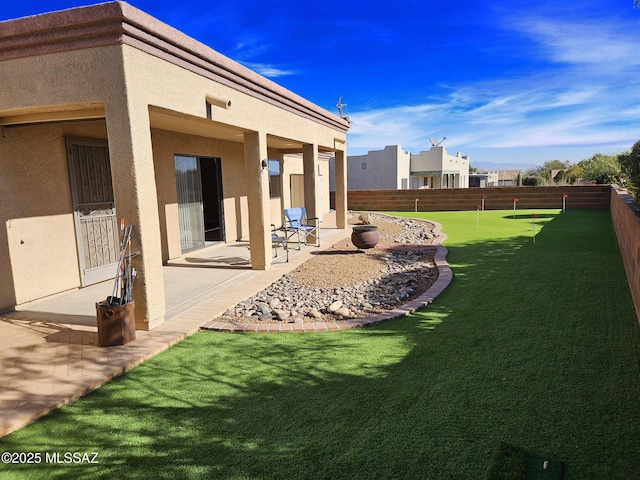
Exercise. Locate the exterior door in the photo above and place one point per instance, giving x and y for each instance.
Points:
(200, 201)
(297, 190)
(320, 208)
(96, 224)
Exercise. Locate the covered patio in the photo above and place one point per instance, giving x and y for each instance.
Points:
(189, 280)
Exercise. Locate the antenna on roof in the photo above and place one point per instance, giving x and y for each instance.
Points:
(435, 143)
(340, 105)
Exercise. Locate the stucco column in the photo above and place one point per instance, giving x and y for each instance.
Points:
(134, 188)
(310, 169)
(257, 181)
(341, 189)
(285, 193)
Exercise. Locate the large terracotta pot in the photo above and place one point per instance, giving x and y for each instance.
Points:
(364, 236)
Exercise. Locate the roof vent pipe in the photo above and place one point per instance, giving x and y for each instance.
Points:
(215, 101)
(219, 101)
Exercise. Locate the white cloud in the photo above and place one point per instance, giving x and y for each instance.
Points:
(596, 43)
(586, 93)
(268, 70)
(526, 117)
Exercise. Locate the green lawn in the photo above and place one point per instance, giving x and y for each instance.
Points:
(534, 345)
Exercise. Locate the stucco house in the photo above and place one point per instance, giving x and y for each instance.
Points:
(435, 168)
(386, 169)
(394, 169)
(105, 113)
(483, 179)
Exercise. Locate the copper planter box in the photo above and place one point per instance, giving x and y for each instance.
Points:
(116, 323)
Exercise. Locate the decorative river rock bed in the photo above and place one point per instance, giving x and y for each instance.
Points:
(344, 282)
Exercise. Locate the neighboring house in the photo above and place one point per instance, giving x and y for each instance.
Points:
(395, 169)
(497, 178)
(435, 168)
(508, 178)
(386, 169)
(106, 112)
(483, 180)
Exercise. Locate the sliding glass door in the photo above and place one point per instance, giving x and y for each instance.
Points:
(190, 209)
(200, 201)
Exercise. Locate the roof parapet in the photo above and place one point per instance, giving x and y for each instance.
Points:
(116, 23)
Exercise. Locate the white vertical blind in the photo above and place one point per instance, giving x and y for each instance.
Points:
(190, 211)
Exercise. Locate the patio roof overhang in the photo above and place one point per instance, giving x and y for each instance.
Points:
(159, 118)
(52, 113)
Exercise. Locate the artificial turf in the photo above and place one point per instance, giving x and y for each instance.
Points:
(534, 345)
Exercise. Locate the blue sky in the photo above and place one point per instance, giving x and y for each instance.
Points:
(504, 81)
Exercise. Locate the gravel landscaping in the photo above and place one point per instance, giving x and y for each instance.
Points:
(344, 282)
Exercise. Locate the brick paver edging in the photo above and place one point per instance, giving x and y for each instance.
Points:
(445, 275)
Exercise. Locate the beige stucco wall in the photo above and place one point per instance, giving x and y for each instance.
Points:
(156, 82)
(58, 80)
(37, 232)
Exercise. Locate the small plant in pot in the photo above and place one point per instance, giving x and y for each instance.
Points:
(364, 235)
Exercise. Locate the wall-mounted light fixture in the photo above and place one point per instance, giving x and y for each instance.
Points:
(265, 164)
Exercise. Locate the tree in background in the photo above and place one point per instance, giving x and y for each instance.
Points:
(630, 164)
(573, 173)
(604, 169)
(542, 175)
(531, 181)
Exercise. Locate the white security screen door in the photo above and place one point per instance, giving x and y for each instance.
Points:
(94, 209)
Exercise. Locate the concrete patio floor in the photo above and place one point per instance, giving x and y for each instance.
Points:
(49, 351)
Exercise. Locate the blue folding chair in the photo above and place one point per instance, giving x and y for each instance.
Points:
(281, 240)
(297, 223)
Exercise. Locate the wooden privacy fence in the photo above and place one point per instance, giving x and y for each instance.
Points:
(626, 222)
(497, 198)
